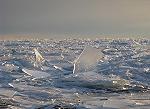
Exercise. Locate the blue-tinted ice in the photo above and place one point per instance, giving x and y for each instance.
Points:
(75, 74)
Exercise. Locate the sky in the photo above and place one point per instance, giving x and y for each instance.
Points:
(75, 16)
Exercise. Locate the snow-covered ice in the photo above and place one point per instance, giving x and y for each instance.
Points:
(75, 74)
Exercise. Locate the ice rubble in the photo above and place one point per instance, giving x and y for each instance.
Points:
(90, 81)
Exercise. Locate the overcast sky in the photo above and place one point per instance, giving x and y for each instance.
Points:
(75, 16)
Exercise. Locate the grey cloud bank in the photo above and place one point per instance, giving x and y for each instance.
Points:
(74, 16)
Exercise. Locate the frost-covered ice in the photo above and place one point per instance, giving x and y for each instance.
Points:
(75, 74)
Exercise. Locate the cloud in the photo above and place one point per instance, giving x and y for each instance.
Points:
(74, 16)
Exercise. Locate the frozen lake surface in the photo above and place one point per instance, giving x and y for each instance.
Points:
(75, 74)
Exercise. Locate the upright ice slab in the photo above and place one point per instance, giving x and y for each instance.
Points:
(87, 60)
(38, 56)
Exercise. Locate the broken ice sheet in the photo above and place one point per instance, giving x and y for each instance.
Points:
(8, 67)
(37, 87)
(35, 73)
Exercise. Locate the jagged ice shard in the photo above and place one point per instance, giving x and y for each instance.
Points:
(87, 60)
(38, 56)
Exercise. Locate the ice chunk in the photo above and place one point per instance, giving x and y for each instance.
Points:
(118, 103)
(9, 67)
(35, 73)
(57, 67)
(39, 60)
(38, 56)
(96, 81)
(87, 60)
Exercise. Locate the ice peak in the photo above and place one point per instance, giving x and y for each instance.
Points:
(88, 59)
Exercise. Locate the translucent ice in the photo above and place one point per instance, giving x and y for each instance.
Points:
(87, 60)
(35, 73)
